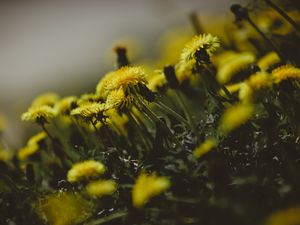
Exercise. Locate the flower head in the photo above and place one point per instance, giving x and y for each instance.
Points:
(48, 99)
(64, 208)
(285, 72)
(207, 42)
(127, 77)
(65, 105)
(234, 65)
(268, 60)
(101, 187)
(90, 110)
(117, 99)
(85, 169)
(36, 139)
(39, 114)
(146, 187)
(235, 116)
(27, 151)
(205, 147)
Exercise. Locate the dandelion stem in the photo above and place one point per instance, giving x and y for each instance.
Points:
(283, 14)
(170, 111)
(186, 110)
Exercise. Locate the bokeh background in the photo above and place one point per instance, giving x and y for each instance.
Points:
(65, 46)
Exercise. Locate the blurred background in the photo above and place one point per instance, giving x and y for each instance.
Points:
(65, 46)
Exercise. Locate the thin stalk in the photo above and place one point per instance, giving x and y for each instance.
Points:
(152, 115)
(284, 15)
(186, 110)
(170, 111)
(196, 23)
(139, 131)
(271, 44)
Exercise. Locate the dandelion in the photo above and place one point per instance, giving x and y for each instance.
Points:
(268, 60)
(157, 82)
(233, 66)
(27, 151)
(148, 186)
(36, 139)
(290, 216)
(205, 147)
(85, 169)
(127, 77)
(39, 114)
(87, 98)
(64, 208)
(5, 155)
(90, 110)
(259, 80)
(285, 72)
(207, 42)
(48, 99)
(185, 72)
(246, 92)
(117, 99)
(235, 116)
(65, 105)
(101, 187)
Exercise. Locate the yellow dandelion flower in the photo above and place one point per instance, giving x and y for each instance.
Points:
(101, 187)
(101, 89)
(205, 41)
(205, 147)
(146, 187)
(65, 105)
(118, 100)
(184, 72)
(223, 57)
(89, 110)
(27, 151)
(268, 60)
(48, 99)
(233, 66)
(36, 139)
(259, 80)
(64, 208)
(285, 72)
(127, 77)
(235, 116)
(87, 98)
(85, 169)
(246, 92)
(232, 88)
(157, 82)
(39, 114)
(5, 155)
(290, 216)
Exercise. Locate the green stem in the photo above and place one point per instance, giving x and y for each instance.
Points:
(109, 218)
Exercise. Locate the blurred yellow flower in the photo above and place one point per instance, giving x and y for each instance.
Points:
(285, 72)
(205, 147)
(235, 116)
(39, 114)
(101, 187)
(64, 208)
(36, 139)
(146, 187)
(268, 60)
(246, 92)
(236, 63)
(85, 169)
(290, 216)
(5, 155)
(65, 105)
(27, 151)
(48, 99)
